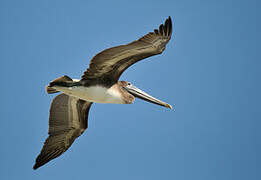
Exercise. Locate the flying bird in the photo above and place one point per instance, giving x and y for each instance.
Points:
(100, 83)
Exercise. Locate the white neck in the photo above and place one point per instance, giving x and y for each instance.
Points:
(96, 94)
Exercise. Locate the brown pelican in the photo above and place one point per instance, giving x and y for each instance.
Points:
(100, 83)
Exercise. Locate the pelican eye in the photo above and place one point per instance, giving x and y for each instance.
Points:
(129, 84)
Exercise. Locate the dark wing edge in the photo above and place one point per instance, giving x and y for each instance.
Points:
(108, 65)
(68, 120)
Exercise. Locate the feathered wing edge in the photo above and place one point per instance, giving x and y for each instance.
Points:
(107, 66)
(68, 120)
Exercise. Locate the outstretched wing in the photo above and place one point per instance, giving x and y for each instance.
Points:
(68, 120)
(107, 66)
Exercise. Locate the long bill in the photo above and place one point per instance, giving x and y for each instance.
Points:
(136, 92)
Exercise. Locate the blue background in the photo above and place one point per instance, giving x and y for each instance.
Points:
(210, 70)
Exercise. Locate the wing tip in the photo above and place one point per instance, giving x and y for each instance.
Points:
(43, 159)
(168, 26)
(36, 166)
(165, 29)
(39, 162)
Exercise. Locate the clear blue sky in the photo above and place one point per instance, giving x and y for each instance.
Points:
(210, 70)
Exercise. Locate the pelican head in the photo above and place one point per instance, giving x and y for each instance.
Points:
(129, 92)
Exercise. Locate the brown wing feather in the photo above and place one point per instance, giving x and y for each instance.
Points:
(107, 66)
(68, 120)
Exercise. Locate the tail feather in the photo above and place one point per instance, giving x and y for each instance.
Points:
(50, 90)
(61, 81)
